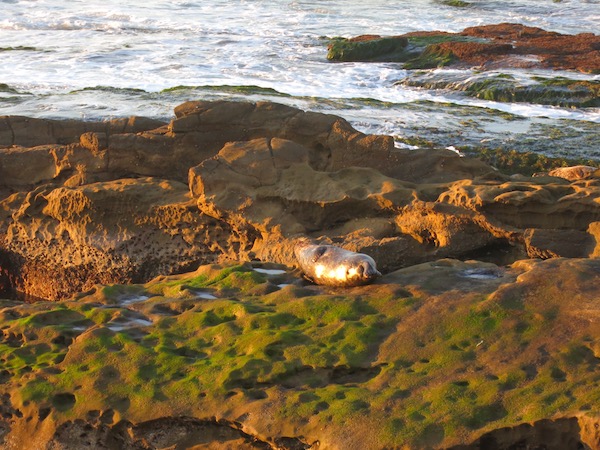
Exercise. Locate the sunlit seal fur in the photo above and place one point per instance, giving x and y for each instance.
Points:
(333, 266)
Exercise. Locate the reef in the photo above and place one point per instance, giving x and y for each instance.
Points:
(178, 318)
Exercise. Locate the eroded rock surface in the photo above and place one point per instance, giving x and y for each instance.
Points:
(240, 181)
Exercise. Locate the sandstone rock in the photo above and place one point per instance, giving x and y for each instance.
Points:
(443, 227)
(266, 186)
(333, 142)
(65, 240)
(31, 132)
(259, 175)
(520, 205)
(26, 166)
(594, 231)
(541, 243)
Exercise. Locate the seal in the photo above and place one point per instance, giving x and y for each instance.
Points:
(334, 266)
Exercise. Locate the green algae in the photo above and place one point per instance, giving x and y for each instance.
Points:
(456, 3)
(433, 56)
(238, 277)
(556, 92)
(378, 49)
(341, 359)
(502, 87)
(416, 52)
(6, 88)
(241, 89)
(110, 89)
(21, 48)
(525, 163)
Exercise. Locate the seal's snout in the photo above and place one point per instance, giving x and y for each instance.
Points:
(368, 270)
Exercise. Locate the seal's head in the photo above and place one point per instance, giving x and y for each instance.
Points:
(334, 266)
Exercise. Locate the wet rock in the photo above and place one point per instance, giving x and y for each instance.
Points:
(367, 48)
(554, 50)
(501, 87)
(497, 46)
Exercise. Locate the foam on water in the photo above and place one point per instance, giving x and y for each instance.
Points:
(57, 53)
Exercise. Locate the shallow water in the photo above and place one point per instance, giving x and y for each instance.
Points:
(110, 59)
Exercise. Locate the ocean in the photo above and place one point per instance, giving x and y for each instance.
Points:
(96, 60)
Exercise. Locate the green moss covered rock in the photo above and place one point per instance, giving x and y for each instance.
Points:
(558, 91)
(418, 51)
(367, 48)
(430, 356)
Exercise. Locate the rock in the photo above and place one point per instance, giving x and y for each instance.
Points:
(504, 87)
(25, 166)
(446, 354)
(114, 206)
(276, 187)
(492, 47)
(440, 227)
(555, 50)
(544, 244)
(517, 205)
(367, 48)
(31, 132)
(64, 240)
(594, 231)
(557, 434)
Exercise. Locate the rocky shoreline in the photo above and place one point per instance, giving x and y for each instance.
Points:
(482, 329)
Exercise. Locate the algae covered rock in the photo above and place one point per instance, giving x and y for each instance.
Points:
(558, 91)
(489, 47)
(415, 50)
(367, 48)
(442, 354)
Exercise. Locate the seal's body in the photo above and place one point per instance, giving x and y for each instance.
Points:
(333, 266)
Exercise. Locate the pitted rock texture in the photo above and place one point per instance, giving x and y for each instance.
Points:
(240, 181)
(446, 354)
